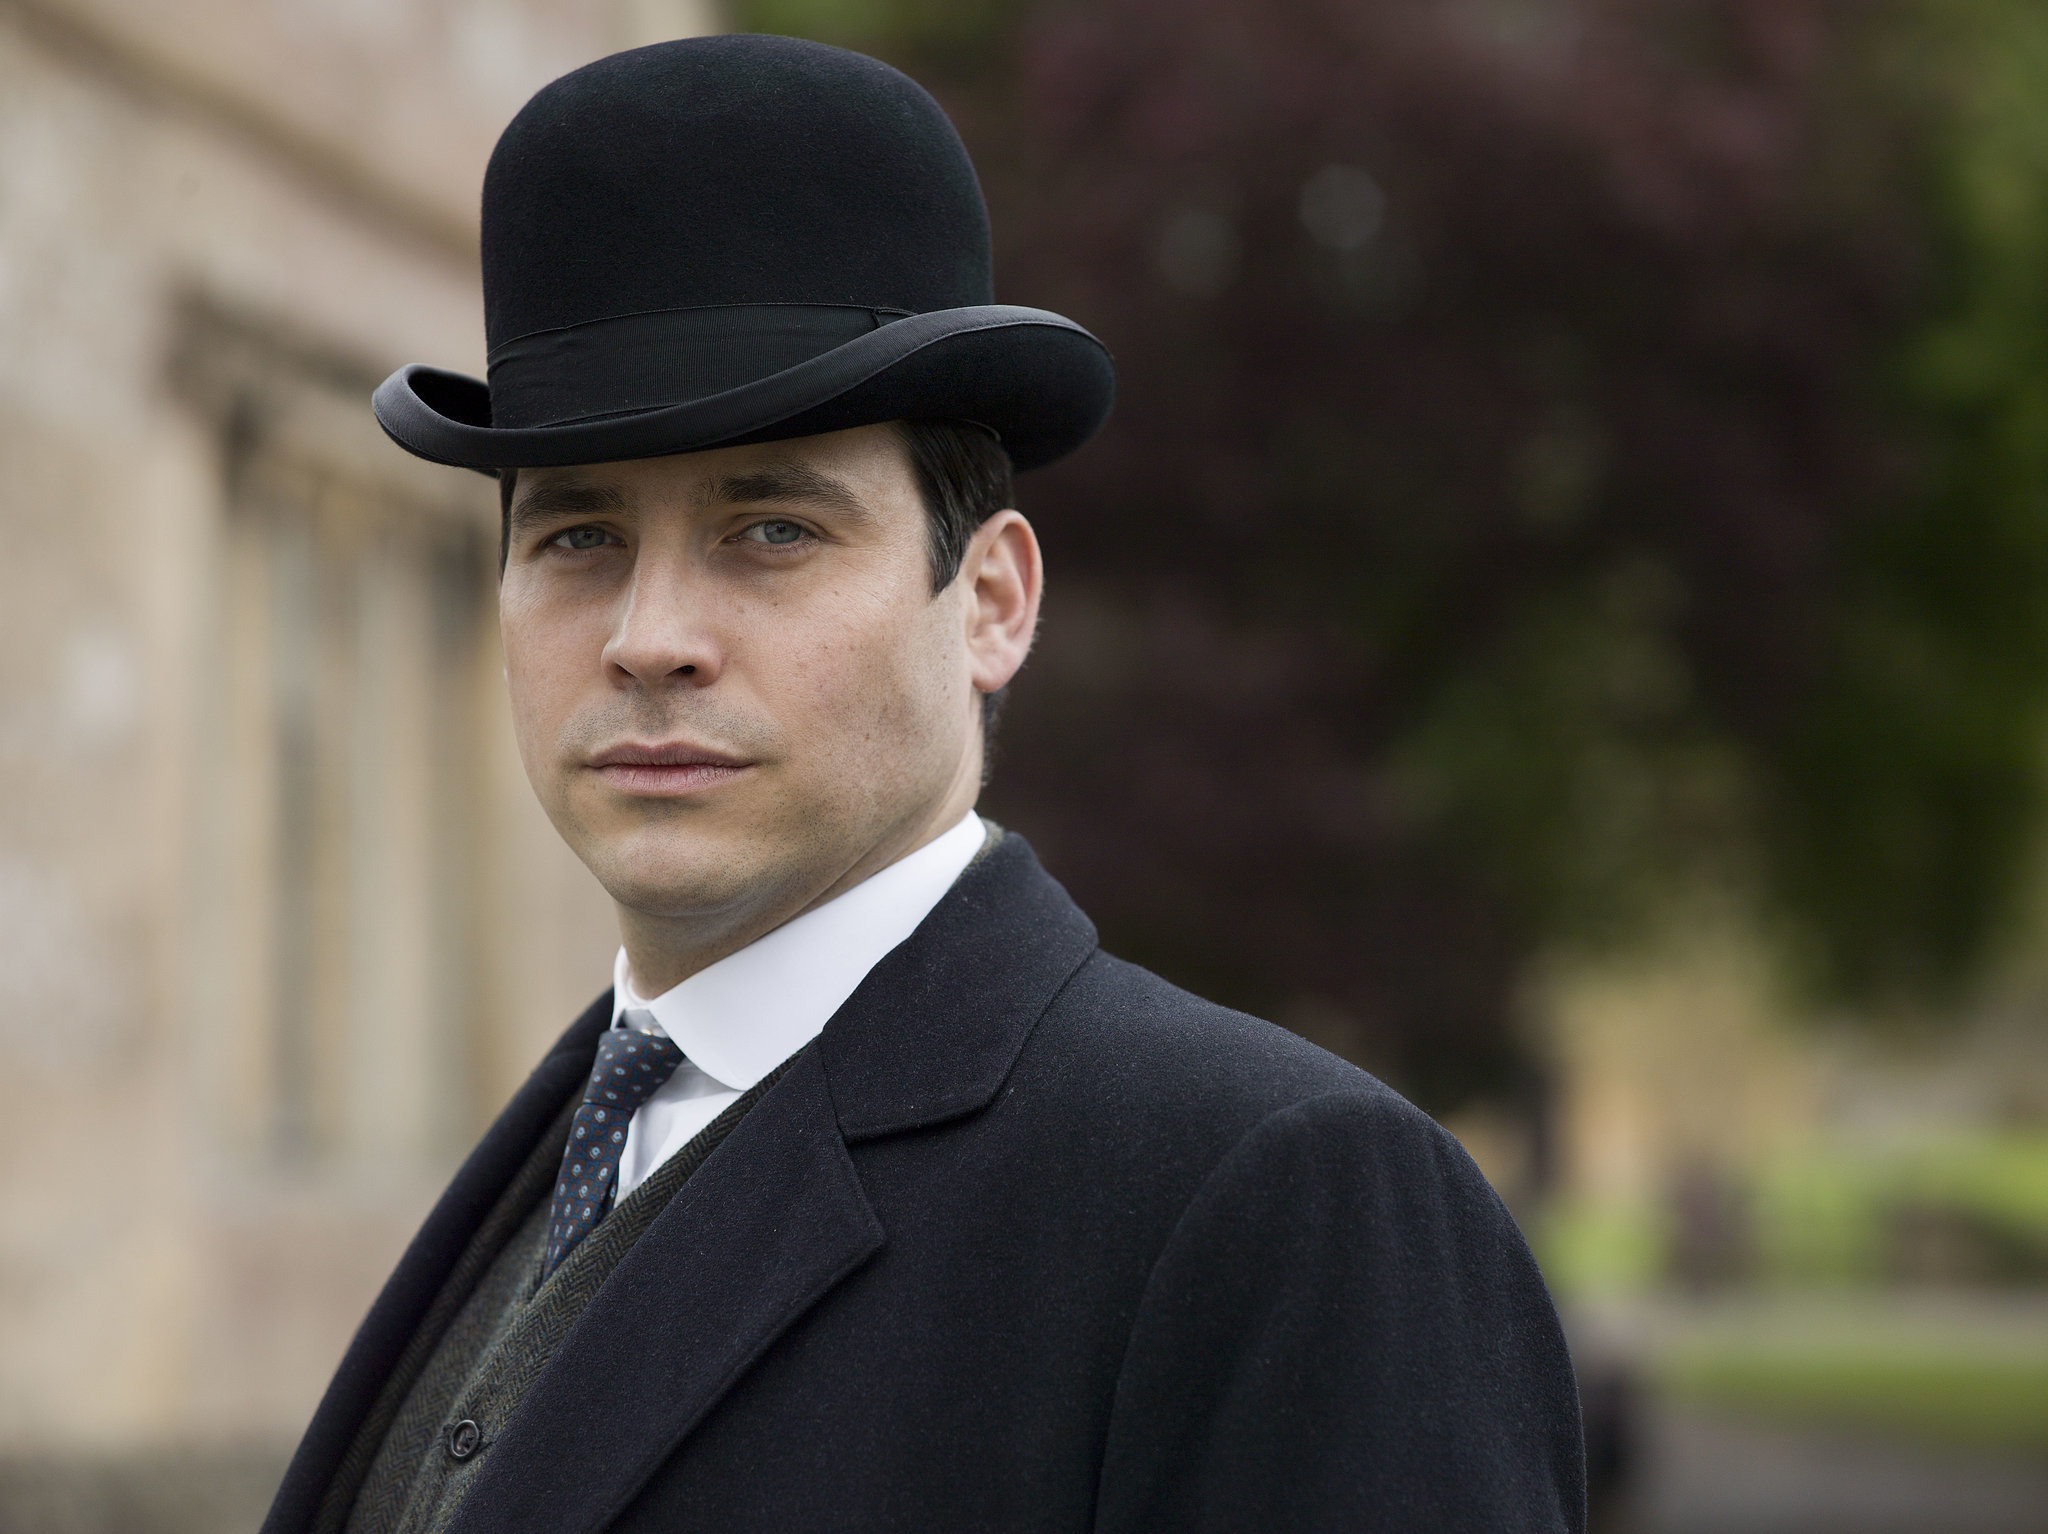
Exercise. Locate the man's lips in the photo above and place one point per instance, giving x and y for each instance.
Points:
(672, 768)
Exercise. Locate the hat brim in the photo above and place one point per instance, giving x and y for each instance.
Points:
(1038, 380)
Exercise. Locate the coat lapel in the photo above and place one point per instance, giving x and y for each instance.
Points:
(759, 1234)
(777, 1216)
(934, 1029)
(423, 1269)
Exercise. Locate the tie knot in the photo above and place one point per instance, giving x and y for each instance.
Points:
(630, 1068)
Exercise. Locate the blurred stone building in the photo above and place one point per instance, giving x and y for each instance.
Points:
(279, 923)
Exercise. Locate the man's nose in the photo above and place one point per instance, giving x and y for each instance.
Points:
(663, 637)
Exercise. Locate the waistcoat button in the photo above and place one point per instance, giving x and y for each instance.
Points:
(464, 1439)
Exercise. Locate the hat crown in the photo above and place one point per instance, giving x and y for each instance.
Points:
(729, 170)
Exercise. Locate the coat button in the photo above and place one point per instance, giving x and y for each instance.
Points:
(464, 1439)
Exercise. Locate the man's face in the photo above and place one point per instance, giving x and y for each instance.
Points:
(733, 687)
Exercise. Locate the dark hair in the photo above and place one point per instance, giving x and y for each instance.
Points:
(964, 478)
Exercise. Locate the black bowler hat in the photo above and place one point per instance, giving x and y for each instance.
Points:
(736, 239)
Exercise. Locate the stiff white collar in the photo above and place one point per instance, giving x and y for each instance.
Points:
(740, 1018)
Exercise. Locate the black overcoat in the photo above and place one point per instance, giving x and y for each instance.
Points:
(1027, 1239)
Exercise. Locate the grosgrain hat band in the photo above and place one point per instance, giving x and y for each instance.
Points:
(1038, 380)
(646, 361)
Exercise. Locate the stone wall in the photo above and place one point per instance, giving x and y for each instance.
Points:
(279, 923)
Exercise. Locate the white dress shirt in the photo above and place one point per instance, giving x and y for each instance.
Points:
(738, 1019)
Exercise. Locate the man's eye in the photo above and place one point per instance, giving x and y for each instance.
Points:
(581, 538)
(774, 532)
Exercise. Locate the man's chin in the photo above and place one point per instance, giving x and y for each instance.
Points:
(655, 834)
(698, 877)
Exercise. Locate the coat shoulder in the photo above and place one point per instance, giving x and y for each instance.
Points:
(1180, 1042)
(1312, 1237)
(1176, 1068)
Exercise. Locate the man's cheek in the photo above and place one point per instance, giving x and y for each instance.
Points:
(829, 689)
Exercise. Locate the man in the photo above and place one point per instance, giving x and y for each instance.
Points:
(873, 1195)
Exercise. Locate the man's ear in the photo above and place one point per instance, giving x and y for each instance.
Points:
(1001, 578)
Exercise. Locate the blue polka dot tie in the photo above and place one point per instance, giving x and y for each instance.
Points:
(630, 1068)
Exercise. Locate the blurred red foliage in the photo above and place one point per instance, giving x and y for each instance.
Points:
(1516, 514)
(1494, 403)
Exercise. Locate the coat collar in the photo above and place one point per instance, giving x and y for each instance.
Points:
(777, 1216)
(741, 1017)
(934, 1029)
(760, 1234)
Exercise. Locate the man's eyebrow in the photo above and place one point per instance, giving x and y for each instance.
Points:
(550, 499)
(786, 482)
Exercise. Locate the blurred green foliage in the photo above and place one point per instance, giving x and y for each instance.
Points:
(1942, 1395)
(1595, 1248)
(1913, 785)
(1961, 1210)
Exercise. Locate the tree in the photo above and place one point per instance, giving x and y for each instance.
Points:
(1567, 456)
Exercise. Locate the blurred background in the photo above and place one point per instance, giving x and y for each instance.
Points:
(1560, 617)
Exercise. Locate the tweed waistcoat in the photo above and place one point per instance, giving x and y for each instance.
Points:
(489, 1334)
